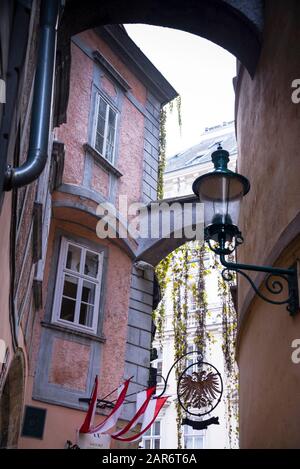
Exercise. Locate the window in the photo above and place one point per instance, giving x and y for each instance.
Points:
(158, 364)
(105, 129)
(191, 358)
(77, 292)
(159, 379)
(192, 439)
(151, 439)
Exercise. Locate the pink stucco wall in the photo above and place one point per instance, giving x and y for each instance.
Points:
(100, 180)
(67, 356)
(131, 152)
(92, 40)
(74, 132)
(70, 361)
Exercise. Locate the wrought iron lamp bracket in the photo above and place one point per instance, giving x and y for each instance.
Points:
(274, 281)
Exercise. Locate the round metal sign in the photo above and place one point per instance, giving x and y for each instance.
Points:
(199, 388)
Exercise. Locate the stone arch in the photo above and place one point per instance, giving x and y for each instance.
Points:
(185, 222)
(234, 25)
(11, 402)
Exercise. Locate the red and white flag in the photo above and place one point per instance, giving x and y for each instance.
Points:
(142, 401)
(89, 419)
(146, 408)
(112, 418)
(151, 412)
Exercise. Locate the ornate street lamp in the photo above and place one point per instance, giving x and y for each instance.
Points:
(221, 191)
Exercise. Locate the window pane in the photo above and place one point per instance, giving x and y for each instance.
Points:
(157, 428)
(159, 378)
(112, 118)
(147, 444)
(109, 152)
(188, 442)
(73, 258)
(110, 135)
(148, 432)
(102, 107)
(100, 125)
(67, 311)
(88, 292)
(70, 286)
(91, 264)
(157, 443)
(86, 315)
(99, 143)
(198, 442)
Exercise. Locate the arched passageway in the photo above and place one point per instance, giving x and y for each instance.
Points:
(234, 25)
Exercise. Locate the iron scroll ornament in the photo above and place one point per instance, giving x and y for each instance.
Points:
(274, 287)
(274, 282)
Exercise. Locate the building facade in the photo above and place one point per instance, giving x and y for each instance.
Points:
(81, 308)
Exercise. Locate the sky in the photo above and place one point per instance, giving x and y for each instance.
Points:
(199, 70)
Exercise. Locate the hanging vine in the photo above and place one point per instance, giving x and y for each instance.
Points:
(162, 153)
(199, 293)
(229, 330)
(185, 269)
(163, 141)
(159, 314)
(180, 273)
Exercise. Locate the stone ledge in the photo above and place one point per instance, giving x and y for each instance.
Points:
(101, 160)
(66, 330)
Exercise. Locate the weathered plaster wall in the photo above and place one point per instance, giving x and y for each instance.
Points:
(115, 310)
(75, 132)
(100, 180)
(268, 138)
(267, 129)
(269, 380)
(80, 168)
(130, 160)
(92, 40)
(62, 418)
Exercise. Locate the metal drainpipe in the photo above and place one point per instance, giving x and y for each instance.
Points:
(42, 99)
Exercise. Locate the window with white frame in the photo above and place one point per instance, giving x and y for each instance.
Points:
(192, 439)
(78, 285)
(151, 439)
(104, 135)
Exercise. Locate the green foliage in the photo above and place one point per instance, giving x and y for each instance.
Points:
(162, 153)
(163, 277)
(186, 269)
(163, 141)
(181, 268)
(229, 330)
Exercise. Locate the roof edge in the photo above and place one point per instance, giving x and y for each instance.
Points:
(124, 46)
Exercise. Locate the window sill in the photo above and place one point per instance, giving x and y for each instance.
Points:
(101, 160)
(71, 331)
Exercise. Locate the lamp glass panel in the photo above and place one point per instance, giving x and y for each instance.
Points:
(221, 196)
